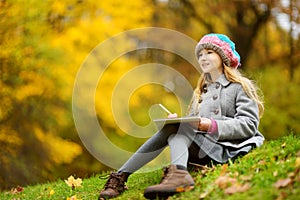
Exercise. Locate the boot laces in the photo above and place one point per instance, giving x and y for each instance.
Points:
(115, 181)
(166, 174)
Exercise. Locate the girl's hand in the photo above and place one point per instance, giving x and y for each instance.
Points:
(172, 115)
(204, 124)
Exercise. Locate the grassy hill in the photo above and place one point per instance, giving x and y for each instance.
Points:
(269, 172)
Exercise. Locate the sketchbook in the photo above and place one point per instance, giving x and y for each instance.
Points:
(177, 120)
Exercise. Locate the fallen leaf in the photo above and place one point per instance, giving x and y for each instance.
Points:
(297, 171)
(282, 196)
(262, 162)
(236, 174)
(246, 178)
(72, 182)
(225, 181)
(204, 195)
(297, 162)
(297, 178)
(51, 192)
(16, 190)
(281, 183)
(283, 145)
(237, 188)
(180, 189)
(224, 169)
(291, 175)
(73, 198)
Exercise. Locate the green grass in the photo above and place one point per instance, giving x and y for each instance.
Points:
(260, 170)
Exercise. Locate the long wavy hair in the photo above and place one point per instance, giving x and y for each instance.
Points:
(233, 75)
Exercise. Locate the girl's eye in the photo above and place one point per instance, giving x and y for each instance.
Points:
(200, 54)
(209, 52)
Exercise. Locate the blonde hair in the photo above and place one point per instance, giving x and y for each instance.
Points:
(233, 75)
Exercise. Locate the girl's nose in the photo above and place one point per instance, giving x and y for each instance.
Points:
(202, 58)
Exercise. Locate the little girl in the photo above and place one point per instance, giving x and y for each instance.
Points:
(228, 108)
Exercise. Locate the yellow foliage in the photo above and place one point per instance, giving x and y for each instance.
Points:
(6, 101)
(127, 14)
(277, 47)
(59, 6)
(35, 85)
(61, 151)
(104, 94)
(10, 143)
(9, 136)
(101, 20)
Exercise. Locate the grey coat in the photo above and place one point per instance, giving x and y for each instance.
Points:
(236, 115)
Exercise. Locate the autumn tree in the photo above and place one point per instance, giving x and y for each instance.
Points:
(32, 109)
(43, 45)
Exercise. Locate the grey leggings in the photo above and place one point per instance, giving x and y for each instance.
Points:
(178, 137)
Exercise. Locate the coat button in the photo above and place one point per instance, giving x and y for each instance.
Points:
(217, 85)
(204, 88)
(216, 111)
(215, 97)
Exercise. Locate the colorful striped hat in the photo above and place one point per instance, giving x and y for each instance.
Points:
(222, 45)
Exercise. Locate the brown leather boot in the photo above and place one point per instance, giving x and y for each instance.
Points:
(174, 181)
(114, 186)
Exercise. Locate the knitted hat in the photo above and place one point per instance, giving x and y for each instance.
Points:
(222, 45)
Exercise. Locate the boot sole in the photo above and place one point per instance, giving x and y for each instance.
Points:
(154, 194)
(104, 197)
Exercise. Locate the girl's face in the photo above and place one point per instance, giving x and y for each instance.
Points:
(209, 61)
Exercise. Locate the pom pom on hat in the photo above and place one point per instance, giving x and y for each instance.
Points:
(222, 45)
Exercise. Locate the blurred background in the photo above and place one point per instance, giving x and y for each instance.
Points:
(43, 44)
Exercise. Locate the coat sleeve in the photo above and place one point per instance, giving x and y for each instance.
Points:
(245, 122)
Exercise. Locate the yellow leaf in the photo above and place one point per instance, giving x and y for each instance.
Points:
(73, 198)
(224, 169)
(204, 195)
(72, 182)
(297, 163)
(51, 192)
(247, 178)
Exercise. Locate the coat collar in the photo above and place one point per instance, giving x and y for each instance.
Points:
(223, 80)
